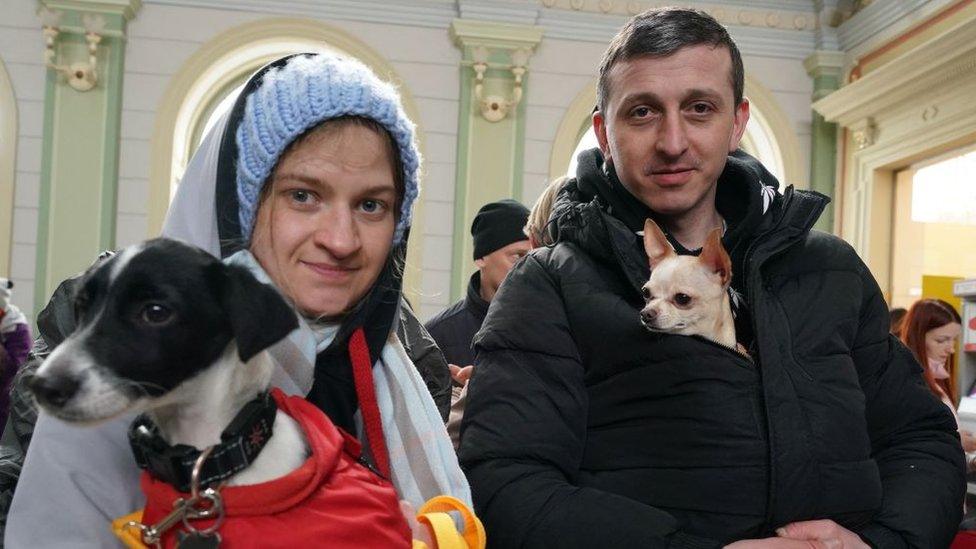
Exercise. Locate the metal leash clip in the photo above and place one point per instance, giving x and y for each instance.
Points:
(206, 537)
(186, 509)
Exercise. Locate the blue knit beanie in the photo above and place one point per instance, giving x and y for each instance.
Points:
(308, 90)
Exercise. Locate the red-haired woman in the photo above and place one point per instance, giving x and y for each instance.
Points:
(930, 330)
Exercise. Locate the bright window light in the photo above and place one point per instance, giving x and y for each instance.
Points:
(588, 141)
(226, 103)
(945, 192)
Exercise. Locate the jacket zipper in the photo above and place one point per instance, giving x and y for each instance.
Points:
(745, 361)
(753, 281)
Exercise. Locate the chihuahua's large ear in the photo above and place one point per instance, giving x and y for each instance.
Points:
(715, 258)
(259, 316)
(656, 244)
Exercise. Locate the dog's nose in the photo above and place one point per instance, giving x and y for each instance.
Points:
(53, 390)
(648, 316)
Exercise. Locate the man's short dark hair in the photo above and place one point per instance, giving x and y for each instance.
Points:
(662, 32)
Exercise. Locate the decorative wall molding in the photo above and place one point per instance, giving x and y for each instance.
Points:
(912, 75)
(126, 8)
(883, 20)
(416, 13)
(863, 133)
(490, 151)
(8, 166)
(794, 16)
(765, 28)
(891, 126)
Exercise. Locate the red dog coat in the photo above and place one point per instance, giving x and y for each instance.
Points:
(331, 500)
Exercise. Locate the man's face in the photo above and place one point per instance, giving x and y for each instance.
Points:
(669, 124)
(496, 265)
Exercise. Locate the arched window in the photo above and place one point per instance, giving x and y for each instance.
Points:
(217, 89)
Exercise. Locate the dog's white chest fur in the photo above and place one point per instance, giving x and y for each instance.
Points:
(197, 412)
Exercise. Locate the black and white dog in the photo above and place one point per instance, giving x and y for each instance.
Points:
(167, 329)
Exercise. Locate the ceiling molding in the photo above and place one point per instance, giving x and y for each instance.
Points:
(913, 74)
(418, 13)
(881, 21)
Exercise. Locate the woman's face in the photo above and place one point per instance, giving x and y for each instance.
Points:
(941, 342)
(324, 230)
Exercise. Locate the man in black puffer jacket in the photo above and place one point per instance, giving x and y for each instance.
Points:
(585, 430)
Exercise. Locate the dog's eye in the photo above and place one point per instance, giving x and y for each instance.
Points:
(682, 299)
(646, 292)
(156, 314)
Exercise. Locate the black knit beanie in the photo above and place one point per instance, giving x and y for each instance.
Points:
(497, 225)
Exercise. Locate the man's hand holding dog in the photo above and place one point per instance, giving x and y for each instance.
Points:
(811, 534)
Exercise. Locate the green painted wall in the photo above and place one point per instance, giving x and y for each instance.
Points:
(80, 150)
(490, 154)
(825, 69)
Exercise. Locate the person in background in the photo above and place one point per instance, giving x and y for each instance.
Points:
(499, 241)
(931, 329)
(537, 227)
(15, 344)
(897, 315)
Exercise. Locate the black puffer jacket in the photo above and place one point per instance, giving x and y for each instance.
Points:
(454, 328)
(588, 431)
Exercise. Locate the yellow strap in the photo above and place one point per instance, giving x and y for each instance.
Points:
(130, 535)
(434, 513)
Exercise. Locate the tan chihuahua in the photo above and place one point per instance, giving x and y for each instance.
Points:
(688, 295)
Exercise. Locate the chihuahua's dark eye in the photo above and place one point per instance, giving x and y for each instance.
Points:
(682, 299)
(646, 292)
(156, 314)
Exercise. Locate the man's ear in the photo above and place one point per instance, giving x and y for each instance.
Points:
(715, 258)
(656, 244)
(258, 315)
(479, 263)
(600, 129)
(739, 121)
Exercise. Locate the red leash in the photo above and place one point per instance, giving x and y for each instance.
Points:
(362, 373)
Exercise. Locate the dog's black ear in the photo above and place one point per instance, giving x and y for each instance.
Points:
(258, 314)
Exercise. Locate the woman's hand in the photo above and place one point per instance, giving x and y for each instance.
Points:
(420, 532)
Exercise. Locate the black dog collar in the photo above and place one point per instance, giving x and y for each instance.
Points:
(240, 444)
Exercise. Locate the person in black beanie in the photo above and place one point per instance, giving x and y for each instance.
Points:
(498, 243)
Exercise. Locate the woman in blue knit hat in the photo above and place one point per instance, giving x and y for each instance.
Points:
(309, 182)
